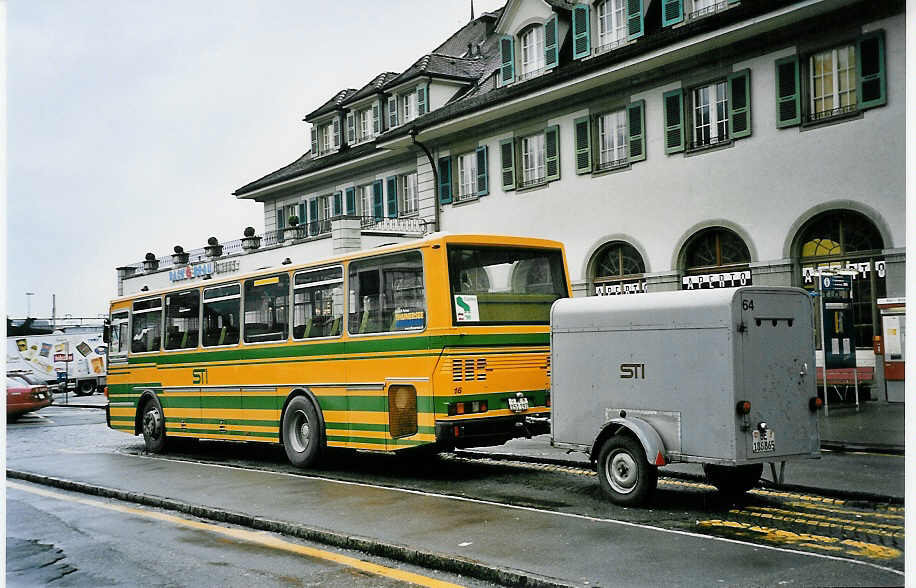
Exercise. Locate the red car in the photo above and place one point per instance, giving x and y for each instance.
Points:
(22, 397)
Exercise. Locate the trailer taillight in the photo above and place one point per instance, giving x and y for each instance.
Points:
(815, 403)
(743, 407)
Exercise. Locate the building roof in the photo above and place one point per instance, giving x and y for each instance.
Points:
(441, 66)
(373, 87)
(331, 105)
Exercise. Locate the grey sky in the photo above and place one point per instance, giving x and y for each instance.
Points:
(130, 123)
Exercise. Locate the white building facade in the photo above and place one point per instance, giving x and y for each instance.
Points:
(669, 144)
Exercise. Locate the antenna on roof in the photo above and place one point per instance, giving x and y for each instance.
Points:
(472, 10)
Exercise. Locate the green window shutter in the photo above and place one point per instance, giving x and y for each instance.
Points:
(672, 12)
(507, 163)
(351, 129)
(314, 141)
(635, 23)
(636, 131)
(582, 127)
(552, 152)
(483, 183)
(582, 46)
(507, 60)
(336, 132)
(788, 98)
(674, 120)
(392, 112)
(351, 201)
(338, 203)
(870, 72)
(378, 206)
(445, 180)
(551, 55)
(313, 227)
(421, 100)
(392, 196)
(303, 219)
(281, 222)
(739, 104)
(376, 119)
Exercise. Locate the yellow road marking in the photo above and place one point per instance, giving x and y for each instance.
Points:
(842, 511)
(258, 537)
(793, 517)
(826, 518)
(850, 546)
(807, 497)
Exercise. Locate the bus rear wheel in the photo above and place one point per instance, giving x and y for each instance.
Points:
(85, 388)
(301, 432)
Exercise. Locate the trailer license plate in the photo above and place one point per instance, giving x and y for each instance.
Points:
(764, 442)
(518, 404)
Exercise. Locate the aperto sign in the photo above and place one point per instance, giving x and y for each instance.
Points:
(203, 269)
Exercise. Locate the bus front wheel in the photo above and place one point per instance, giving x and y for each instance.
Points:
(301, 432)
(153, 426)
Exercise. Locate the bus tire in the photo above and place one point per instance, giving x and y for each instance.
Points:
(624, 473)
(733, 481)
(85, 388)
(153, 425)
(301, 432)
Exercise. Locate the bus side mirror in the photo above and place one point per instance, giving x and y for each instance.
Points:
(106, 333)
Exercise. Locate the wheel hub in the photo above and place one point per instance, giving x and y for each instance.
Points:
(152, 424)
(302, 432)
(622, 473)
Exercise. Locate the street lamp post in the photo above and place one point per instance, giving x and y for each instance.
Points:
(28, 303)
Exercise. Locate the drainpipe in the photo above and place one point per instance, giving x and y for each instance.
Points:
(413, 137)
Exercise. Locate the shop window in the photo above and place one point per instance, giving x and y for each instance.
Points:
(716, 258)
(618, 269)
(846, 240)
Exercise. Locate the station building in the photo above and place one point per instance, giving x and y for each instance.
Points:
(669, 144)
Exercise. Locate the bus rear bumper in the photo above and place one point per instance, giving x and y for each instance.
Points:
(489, 431)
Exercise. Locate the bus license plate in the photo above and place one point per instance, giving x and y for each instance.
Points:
(518, 404)
(764, 442)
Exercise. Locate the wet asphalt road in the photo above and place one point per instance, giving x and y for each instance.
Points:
(678, 505)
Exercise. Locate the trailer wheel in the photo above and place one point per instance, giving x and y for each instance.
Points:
(301, 432)
(733, 480)
(624, 472)
(85, 388)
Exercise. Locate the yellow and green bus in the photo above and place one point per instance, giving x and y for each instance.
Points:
(437, 343)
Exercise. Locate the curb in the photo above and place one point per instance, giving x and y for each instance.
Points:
(426, 559)
(72, 405)
(828, 492)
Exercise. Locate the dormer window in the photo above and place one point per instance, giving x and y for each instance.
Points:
(408, 104)
(325, 137)
(532, 51)
(612, 24)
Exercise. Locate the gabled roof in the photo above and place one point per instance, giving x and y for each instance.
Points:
(331, 105)
(373, 87)
(472, 33)
(441, 66)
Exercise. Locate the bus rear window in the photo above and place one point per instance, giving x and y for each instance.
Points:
(504, 285)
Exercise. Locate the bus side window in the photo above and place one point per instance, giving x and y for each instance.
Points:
(221, 315)
(387, 294)
(266, 304)
(146, 332)
(182, 319)
(317, 303)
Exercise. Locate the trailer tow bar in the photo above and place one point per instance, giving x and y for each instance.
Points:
(779, 477)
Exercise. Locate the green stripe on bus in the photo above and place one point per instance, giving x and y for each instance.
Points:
(241, 434)
(349, 347)
(250, 423)
(372, 427)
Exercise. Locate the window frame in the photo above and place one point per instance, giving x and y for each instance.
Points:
(600, 131)
(244, 324)
(537, 63)
(343, 288)
(116, 319)
(404, 187)
(619, 31)
(349, 285)
(165, 319)
(715, 100)
(811, 115)
(463, 170)
(241, 307)
(541, 153)
(363, 196)
(133, 312)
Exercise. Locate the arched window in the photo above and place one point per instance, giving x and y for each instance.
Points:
(618, 268)
(843, 239)
(716, 258)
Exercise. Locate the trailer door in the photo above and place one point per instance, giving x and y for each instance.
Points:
(777, 355)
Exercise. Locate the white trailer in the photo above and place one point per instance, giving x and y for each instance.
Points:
(724, 378)
(82, 356)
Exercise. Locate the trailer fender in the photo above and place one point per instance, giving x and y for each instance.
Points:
(644, 432)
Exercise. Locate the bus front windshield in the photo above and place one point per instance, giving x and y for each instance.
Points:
(504, 285)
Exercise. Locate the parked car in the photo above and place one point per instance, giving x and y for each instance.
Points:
(23, 397)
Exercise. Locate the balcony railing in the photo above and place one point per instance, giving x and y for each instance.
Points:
(610, 46)
(708, 142)
(404, 224)
(532, 74)
(828, 114)
(707, 11)
(613, 164)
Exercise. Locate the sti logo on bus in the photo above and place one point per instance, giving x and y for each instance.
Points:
(632, 370)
